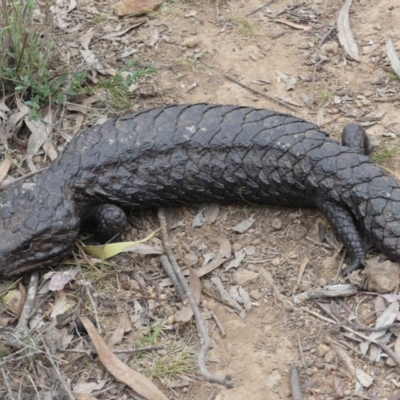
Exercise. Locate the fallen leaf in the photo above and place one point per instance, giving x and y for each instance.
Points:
(41, 131)
(88, 387)
(224, 253)
(137, 382)
(239, 257)
(4, 168)
(14, 300)
(225, 296)
(365, 379)
(393, 57)
(208, 213)
(61, 305)
(244, 225)
(345, 34)
(288, 79)
(123, 327)
(109, 250)
(58, 280)
(86, 38)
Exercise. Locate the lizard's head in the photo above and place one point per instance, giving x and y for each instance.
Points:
(38, 227)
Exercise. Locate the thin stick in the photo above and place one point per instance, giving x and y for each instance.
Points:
(216, 11)
(171, 274)
(218, 323)
(208, 376)
(295, 383)
(7, 384)
(303, 361)
(318, 62)
(276, 100)
(30, 298)
(384, 347)
(93, 351)
(259, 8)
(57, 370)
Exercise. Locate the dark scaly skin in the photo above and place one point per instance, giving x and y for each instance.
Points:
(190, 154)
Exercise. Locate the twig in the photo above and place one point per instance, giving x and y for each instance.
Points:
(218, 323)
(217, 11)
(295, 383)
(259, 8)
(384, 347)
(208, 376)
(318, 243)
(30, 298)
(276, 100)
(57, 370)
(303, 361)
(93, 351)
(318, 62)
(6, 383)
(87, 285)
(171, 274)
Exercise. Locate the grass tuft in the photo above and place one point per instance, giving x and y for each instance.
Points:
(120, 88)
(384, 154)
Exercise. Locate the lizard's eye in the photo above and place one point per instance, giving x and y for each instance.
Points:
(26, 246)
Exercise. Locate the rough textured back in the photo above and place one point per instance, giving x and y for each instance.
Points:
(194, 153)
(188, 154)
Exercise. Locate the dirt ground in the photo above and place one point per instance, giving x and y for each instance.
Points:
(193, 45)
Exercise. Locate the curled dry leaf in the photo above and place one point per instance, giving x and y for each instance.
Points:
(345, 34)
(14, 300)
(61, 304)
(208, 213)
(244, 225)
(225, 296)
(224, 253)
(137, 382)
(123, 327)
(41, 131)
(239, 257)
(58, 280)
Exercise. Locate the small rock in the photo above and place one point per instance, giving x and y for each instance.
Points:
(273, 379)
(330, 48)
(191, 42)
(243, 276)
(135, 7)
(322, 349)
(365, 379)
(382, 277)
(255, 294)
(276, 262)
(236, 246)
(277, 223)
(329, 356)
(309, 372)
(134, 285)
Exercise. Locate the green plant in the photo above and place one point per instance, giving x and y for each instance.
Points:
(27, 51)
(120, 87)
(174, 360)
(384, 153)
(244, 25)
